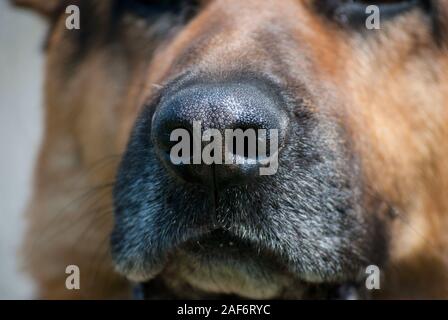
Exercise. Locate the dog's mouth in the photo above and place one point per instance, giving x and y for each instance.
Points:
(297, 233)
(220, 265)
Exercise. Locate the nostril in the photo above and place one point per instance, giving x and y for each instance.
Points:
(165, 129)
(245, 147)
(251, 145)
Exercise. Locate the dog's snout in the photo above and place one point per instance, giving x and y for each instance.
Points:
(230, 130)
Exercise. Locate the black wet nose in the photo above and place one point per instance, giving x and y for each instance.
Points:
(216, 112)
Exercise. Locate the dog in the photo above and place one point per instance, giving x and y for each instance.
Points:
(362, 122)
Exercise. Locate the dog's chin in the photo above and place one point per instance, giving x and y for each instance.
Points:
(220, 265)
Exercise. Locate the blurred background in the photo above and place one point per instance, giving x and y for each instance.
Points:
(21, 72)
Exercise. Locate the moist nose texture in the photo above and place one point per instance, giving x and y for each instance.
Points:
(224, 108)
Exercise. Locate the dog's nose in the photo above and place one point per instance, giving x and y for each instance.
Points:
(219, 134)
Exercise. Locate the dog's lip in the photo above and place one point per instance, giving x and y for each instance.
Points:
(205, 241)
(221, 244)
(226, 242)
(216, 239)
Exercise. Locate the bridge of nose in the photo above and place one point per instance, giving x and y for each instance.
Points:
(228, 106)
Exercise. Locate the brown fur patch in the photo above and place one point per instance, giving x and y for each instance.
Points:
(389, 88)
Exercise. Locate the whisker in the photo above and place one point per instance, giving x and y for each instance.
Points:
(57, 226)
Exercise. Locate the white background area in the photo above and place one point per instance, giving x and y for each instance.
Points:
(21, 68)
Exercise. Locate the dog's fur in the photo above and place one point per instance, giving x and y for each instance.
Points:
(387, 89)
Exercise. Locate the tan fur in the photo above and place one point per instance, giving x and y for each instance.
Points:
(390, 90)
